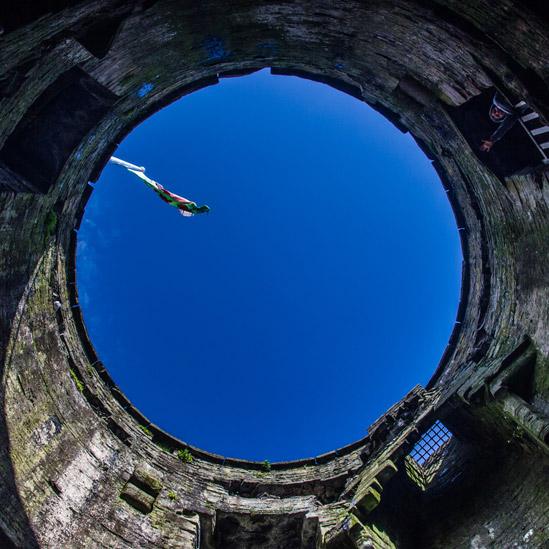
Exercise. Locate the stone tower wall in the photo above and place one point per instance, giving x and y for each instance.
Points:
(77, 469)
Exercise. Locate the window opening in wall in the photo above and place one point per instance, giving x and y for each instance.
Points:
(425, 459)
(61, 116)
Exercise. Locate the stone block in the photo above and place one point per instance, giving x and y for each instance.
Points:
(145, 480)
(369, 499)
(137, 498)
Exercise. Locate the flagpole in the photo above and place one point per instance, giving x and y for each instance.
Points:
(127, 165)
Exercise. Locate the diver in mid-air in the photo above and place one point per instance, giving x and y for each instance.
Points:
(186, 207)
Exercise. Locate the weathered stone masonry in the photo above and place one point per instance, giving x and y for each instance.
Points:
(81, 467)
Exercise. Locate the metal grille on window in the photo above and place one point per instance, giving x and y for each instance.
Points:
(425, 459)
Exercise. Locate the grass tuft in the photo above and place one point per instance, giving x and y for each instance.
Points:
(185, 456)
(146, 430)
(77, 382)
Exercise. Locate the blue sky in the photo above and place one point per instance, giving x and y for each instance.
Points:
(322, 286)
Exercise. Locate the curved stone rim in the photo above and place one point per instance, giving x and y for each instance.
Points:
(501, 227)
(338, 85)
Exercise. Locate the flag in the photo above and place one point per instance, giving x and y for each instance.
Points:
(186, 207)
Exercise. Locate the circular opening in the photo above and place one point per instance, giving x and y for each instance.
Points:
(321, 287)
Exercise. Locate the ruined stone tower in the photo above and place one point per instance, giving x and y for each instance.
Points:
(460, 463)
